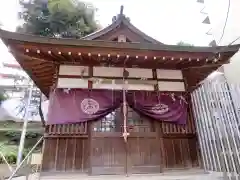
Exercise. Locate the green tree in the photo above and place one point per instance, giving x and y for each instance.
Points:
(181, 43)
(57, 18)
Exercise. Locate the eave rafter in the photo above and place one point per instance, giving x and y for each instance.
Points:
(40, 57)
(42, 72)
(113, 57)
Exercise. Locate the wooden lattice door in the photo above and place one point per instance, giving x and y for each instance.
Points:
(111, 155)
(143, 147)
(108, 154)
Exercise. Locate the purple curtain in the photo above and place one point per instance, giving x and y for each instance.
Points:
(84, 105)
(162, 107)
(81, 105)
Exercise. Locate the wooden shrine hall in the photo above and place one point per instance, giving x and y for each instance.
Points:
(119, 99)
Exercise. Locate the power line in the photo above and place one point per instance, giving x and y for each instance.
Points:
(225, 24)
(234, 41)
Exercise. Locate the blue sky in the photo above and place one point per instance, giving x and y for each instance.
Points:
(169, 21)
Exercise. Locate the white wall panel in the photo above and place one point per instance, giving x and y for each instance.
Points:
(169, 74)
(72, 83)
(118, 72)
(120, 86)
(146, 87)
(107, 86)
(140, 73)
(171, 86)
(130, 84)
(107, 71)
(73, 70)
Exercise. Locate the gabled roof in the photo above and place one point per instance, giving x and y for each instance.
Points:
(120, 20)
(40, 57)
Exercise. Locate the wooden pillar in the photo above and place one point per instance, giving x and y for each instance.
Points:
(74, 154)
(158, 128)
(89, 128)
(90, 148)
(186, 77)
(43, 153)
(56, 154)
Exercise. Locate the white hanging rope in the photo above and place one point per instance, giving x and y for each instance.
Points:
(125, 132)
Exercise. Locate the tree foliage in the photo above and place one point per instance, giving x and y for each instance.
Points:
(57, 18)
(181, 43)
(3, 97)
(15, 136)
(10, 141)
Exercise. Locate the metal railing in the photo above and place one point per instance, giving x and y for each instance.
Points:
(216, 106)
(6, 162)
(24, 168)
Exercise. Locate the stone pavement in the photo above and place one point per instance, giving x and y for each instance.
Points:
(176, 175)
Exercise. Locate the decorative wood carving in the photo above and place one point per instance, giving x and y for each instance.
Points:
(122, 38)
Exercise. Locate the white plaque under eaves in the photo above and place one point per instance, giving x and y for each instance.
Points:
(72, 83)
(169, 74)
(107, 72)
(140, 73)
(73, 70)
(118, 72)
(171, 86)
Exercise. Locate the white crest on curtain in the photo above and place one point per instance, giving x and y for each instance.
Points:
(160, 108)
(89, 106)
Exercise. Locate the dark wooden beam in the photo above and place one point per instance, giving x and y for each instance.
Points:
(119, 78)
(205, 66)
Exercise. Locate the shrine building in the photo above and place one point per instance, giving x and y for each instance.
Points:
(119, 100)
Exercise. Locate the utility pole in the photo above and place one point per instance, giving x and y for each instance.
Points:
(24, 129)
